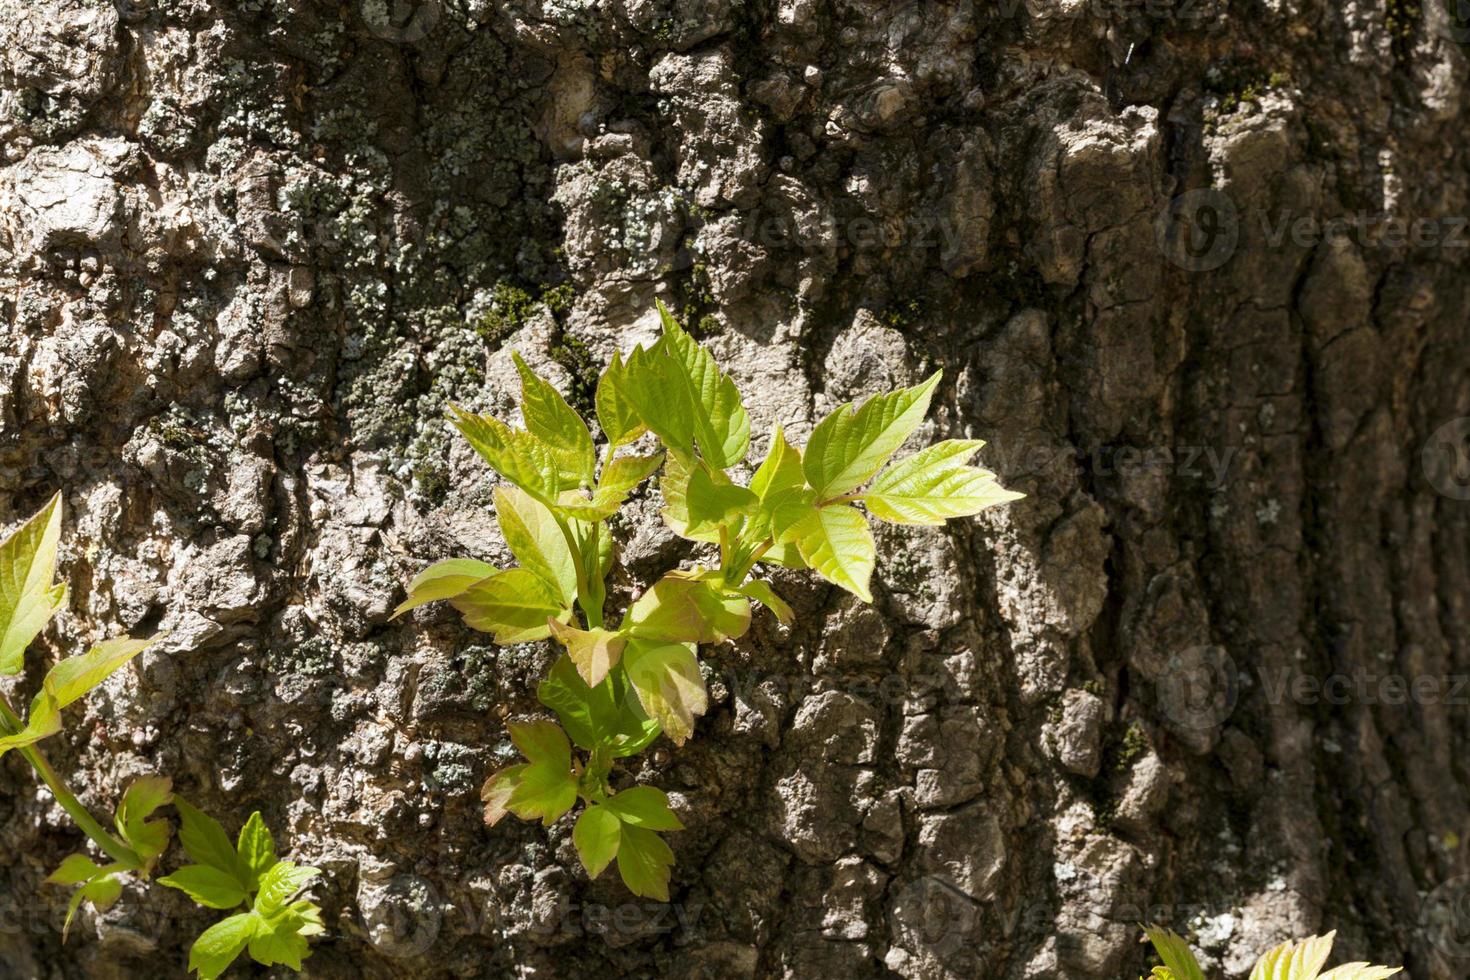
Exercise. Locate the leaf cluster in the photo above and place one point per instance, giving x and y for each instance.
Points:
(616, 688)
(1302, 960)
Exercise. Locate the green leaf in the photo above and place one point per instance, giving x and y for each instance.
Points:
(763, 593)
(547, 787)
(644, 806)
(537, 541)
(206, 842)
(934, 485)
(74, 677)
(207, 886)
(680, 609)
(659, 393)
(1360, 971)
(148, 838)
(607, 716)
(596, 836)
(217, 947)
(497, 791)
(848, 446)
(1175, 953)
(68, 681)
(74, 869)
(615, 412)
(716, 502)
(594, 651)
(550, 419)
(674, 485)
(518, 456)
(256, 850)
(721, 426)
(644, 862)
(619, 478)
(1293, 961)
(100, 886)
(666, 678)
(443, 580)
(513, 605)
(281, 937)
(836, 542)
(280, 884)
(28, 597)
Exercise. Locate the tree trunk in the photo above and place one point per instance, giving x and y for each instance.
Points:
(1196, 270)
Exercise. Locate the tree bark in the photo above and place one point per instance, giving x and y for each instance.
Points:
(1196, 270)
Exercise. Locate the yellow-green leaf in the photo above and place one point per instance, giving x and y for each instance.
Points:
(596, 835)
(550, 419)
(851, 444)
(513, 605)
(644, 806)
(713, 501)
(836, 542)
(1360, 971)
(255, 850)
(28, 597)
(69, 680)
(763, 593)
(207, 886)
(1295, 961)
(147, 838)
(668, 683)
(618, 480)
(498, 790)
(681, 609)
(518, 456)
(675, 488)
(594, 651)
(934, 485)
(537, 540)
(217, 947)
(1175, 953)
(721, 425)
(615, 412)
(644, 862)
(547, 787)
(659, 393)
(444, 580)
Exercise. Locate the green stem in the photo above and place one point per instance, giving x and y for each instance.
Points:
(115, 848)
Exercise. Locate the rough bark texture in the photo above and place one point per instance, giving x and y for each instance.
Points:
(250, 250)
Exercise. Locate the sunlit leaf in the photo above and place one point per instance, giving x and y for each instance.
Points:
(934, 485)
(668, 683)
(594, 651)
(644, 806)
(851, 444)
(207, 886)
(721, 425)
(685, 610)
(596, 836)
(518, 456)
(28, 597)
(644, 862)
(615, 412)
(443, 580)
(1175, 953)
(514, 605)
(255, 850)
(147, 838)
(536, 539)
(608, 716)
(763, 593)
(713, 502)
(547, 787)
(836, 542)
(551, 420)
(497, 791)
